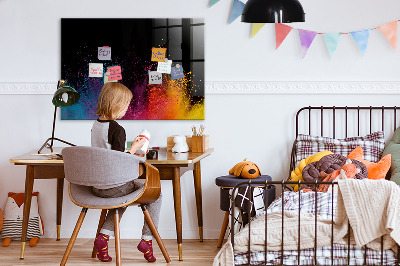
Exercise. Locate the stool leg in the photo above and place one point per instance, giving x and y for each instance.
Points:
(101, 222)
(117, 239)
(223, 229)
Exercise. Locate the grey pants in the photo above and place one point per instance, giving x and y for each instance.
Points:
(153, 208)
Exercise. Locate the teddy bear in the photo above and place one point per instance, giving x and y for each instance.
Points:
(180, 144)
(245, 169)
(13, 215)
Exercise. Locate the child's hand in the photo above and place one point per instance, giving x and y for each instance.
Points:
(137, 144)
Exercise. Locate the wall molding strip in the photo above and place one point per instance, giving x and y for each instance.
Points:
(248, 87)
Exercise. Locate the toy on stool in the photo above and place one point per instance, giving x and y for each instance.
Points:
(245, 169)
(13, 215)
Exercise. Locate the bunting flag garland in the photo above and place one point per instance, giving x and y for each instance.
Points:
(332, 41)
(389, 30)
(256, 28)
(306, 39)
(237, 9)
(361, 37)
(213, 2)
(281, 31)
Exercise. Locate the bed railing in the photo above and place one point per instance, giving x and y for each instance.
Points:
(265, 185)
(343, 118)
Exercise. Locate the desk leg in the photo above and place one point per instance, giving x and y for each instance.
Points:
(176, 182)
(60, 190)
(27, 206)
(199, 204)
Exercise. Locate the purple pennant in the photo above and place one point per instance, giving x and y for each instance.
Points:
(306, 39)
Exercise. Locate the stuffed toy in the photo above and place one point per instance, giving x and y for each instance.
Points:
(180, 144)
(296, 174)
(13, 215)
(375, 170)
(1, 220)
(245, 169)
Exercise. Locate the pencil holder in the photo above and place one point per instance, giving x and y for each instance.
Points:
(200, 143)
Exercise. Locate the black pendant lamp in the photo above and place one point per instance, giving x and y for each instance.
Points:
(273, 11)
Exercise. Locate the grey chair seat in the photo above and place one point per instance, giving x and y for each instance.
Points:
(83, 196)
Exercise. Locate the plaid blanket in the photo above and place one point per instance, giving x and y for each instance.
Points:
(324, 257)
(323, 205)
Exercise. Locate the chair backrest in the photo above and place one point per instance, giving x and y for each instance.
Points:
(92, 166)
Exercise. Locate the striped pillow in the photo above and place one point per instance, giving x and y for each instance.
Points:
(372, 145)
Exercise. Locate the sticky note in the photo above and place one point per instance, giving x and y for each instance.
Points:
(177, 72)
(164, 67)
(115, 73)
(155, 77)
(104, 53)
(95, 70)
(106, 75)
(158, 54)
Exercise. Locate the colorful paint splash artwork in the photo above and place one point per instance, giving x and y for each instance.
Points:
(172, 98)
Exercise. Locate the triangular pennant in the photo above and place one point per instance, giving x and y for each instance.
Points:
(306, 39)
(256, 28)
(213, 2)
(332, 41)
(361, 37)
(281, 31)
(389, 30)
(237, 9)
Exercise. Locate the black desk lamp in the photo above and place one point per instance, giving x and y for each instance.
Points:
(273, 11)
(63, 97)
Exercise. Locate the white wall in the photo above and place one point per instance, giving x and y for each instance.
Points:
(259, 126)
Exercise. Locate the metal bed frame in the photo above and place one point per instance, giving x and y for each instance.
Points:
(283, 184)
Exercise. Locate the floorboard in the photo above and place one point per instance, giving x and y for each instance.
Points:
(50, 252)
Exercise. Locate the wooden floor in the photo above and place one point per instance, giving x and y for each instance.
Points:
(50, 252)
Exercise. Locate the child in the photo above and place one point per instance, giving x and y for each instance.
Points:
(113, 103)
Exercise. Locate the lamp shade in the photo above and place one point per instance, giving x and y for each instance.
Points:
(273, 11)
(65, 96)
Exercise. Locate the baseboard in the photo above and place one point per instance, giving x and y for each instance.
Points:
(247, 87)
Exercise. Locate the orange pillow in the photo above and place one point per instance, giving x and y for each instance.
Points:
(375, 170)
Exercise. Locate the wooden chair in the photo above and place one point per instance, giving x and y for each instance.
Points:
(85, 167)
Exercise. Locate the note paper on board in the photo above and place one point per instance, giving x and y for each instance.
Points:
(95, 70)
(106, 75)
(158, 54)
(164, 67)
(104, 53)
(177, 72)
(115, 73)
(155, 77)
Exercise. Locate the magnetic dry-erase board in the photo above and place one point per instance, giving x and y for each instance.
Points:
(160, 60)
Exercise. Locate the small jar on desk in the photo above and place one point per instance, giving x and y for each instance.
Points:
(226, 183)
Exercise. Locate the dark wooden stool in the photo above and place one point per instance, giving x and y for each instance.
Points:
(226, 183)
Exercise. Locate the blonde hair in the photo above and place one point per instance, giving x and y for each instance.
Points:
(113, 99)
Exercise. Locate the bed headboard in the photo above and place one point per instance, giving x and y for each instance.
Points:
(344, 121)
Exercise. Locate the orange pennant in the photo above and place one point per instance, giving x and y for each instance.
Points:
(389, 30)
(281, 31)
